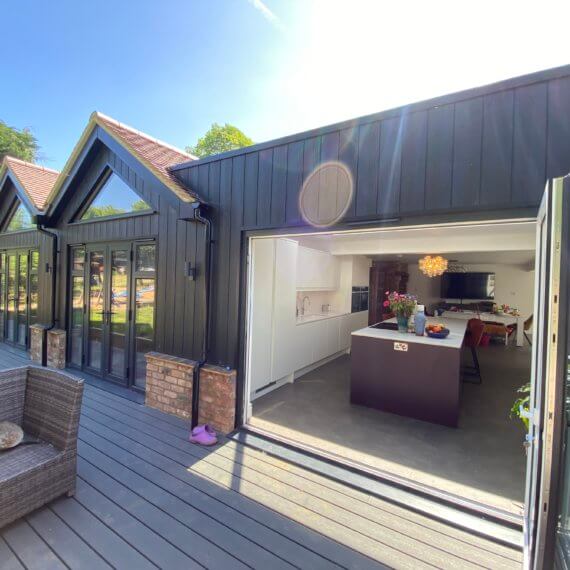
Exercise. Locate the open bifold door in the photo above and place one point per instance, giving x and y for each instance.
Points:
(548, 377)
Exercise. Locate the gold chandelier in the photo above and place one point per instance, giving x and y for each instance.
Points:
(433, 265)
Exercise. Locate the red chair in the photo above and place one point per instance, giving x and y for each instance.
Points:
(473, 336)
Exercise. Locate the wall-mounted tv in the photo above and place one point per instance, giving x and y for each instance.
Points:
(468, 285)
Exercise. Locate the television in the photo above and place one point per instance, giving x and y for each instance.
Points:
(468, 285)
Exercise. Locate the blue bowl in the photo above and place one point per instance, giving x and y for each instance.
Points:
(442, 334)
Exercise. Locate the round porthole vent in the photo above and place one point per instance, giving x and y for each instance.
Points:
(326, 194)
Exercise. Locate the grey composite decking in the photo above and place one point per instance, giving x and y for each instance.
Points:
(146, 498)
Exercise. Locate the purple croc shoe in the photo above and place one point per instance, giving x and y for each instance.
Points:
(204, 435)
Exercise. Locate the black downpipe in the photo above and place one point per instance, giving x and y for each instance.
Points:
(53, 300)
(208, 246)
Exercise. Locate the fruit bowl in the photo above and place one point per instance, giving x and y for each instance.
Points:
(437, 334)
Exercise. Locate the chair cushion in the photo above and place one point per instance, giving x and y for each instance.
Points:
(23, 458)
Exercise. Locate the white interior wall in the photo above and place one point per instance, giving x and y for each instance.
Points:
(426, 289)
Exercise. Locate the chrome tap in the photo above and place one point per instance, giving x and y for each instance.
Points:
(303, 304)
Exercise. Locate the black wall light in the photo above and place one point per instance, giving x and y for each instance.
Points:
(190, 271)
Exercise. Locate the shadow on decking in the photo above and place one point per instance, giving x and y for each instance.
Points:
(147, 498)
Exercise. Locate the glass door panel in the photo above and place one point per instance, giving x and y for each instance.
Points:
(34, 287)
(96, 310)
(22, 306)
(119, 312)
(11, 299)
(76, 336)
(2, 292)
(144, 326)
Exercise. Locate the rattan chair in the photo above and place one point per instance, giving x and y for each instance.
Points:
(47, 405)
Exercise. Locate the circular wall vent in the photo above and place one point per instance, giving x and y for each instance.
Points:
(326, 194)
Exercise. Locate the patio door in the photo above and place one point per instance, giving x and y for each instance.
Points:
(108, 304)
(550, 353)
(19, 294)
(112, 309)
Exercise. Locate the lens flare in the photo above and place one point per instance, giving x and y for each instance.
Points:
(326, 194)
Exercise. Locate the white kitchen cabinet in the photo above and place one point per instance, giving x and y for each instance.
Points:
(305, 340)
(284, 299)
(333, 335)
(316, 270)
(345, 331)
(261, 315)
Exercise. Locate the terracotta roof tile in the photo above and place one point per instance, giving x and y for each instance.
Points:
(36, 180)
(157, 154)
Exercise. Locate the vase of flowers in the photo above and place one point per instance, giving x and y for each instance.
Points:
(402, 305)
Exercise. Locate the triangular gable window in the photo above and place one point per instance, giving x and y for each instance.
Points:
(21, 220)
(114, 198)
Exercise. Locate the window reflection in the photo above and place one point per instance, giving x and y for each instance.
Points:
(115, 198)
(21, 220)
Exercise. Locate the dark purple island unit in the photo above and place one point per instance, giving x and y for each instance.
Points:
(414, 376)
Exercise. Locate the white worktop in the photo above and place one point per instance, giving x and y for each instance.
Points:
(304, 319)
(456, 328)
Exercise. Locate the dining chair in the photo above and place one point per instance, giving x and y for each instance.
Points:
(473, 336)
(526, 327)
(499, 329)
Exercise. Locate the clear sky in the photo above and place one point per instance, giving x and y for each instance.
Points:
(272, 67)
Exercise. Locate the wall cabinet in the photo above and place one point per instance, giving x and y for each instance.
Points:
(316, 270)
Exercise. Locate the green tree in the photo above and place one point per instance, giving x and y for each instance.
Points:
(219, 139)
(102, 212)
(139, 206)
(17, 143)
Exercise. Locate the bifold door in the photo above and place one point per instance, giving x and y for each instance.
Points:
(550, 353)
(111, 312)
(18, 294)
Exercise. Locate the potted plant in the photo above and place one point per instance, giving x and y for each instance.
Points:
(402, 305)
(521, 404)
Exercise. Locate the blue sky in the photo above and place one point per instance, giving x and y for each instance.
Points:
(172, 67)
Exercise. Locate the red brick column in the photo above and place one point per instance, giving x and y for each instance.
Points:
(169, 384)
(37, 343)
(56, 348)
(217, 405)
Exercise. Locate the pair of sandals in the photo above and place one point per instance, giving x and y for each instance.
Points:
(204, 435)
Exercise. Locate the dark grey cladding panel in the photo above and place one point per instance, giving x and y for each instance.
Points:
(486, 150)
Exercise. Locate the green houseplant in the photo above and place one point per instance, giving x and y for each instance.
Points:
(522, 403)
(402, 305)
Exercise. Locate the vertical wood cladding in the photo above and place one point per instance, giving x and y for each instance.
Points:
(488, 150)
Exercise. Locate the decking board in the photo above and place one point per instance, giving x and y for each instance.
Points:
(146, 498)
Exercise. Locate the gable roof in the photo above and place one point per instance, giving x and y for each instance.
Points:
(154, 154)
(36, 181)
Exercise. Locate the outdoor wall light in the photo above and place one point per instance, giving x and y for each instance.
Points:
(190, 271)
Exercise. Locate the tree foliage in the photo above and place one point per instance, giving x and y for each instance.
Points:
(219, 139)
(17, 143)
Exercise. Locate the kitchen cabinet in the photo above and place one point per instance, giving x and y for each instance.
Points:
(316, 270)
(261, 315)
(284, 299)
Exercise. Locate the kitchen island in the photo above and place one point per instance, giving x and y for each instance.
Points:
(409, 375)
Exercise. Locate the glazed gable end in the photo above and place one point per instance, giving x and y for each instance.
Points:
(178, 240)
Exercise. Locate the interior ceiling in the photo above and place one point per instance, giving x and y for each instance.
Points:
(476, 240)
(522, 258)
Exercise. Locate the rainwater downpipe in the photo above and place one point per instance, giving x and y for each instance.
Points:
(53, 269)
(208, 246)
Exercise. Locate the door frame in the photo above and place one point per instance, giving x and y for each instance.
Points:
(17, 252)
(545, 438)
(244, 406)
(107, 247)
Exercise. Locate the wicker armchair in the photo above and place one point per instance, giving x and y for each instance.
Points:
(47, 405)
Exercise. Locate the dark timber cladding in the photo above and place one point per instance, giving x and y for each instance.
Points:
(482, 153)
(178, 309)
